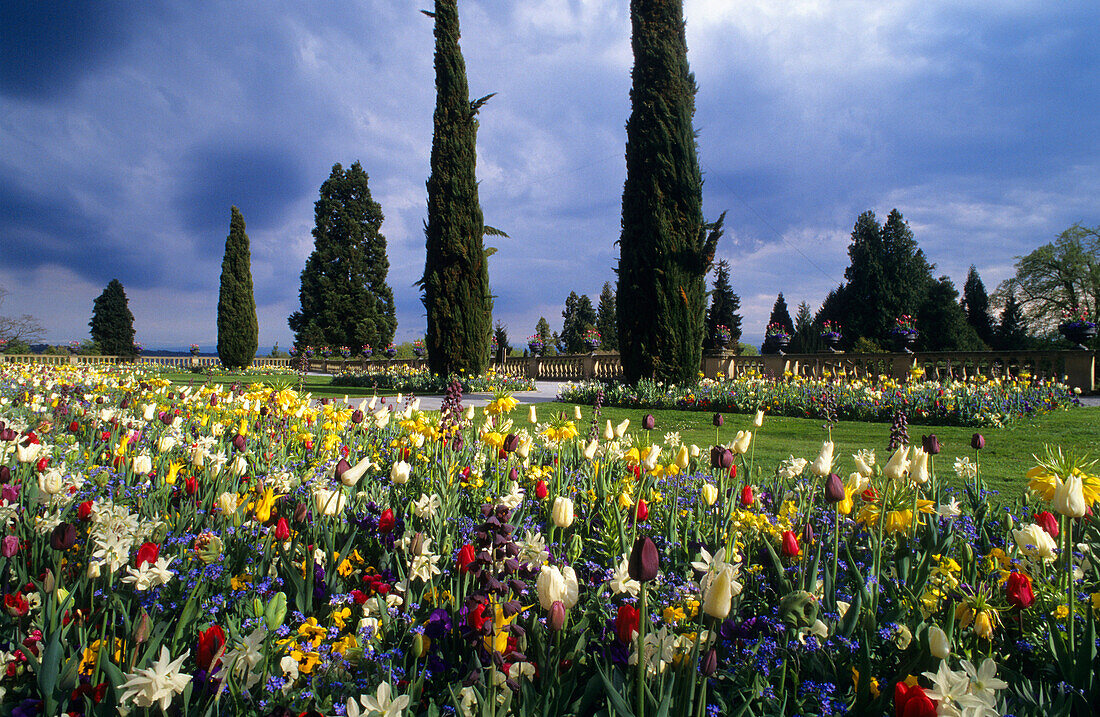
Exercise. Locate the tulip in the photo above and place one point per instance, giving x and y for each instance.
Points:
(511, 443)
(84, 510)
(351, 475)
(210, 644)
(562, 512)
(898, 464)
(556, 619)
(1069, 498)
(1019, 592)
(386, 521)
(834, 489)
(682, 459)
(823, 464)
(930, 444)
(790, 545)
(5, 474)
(357, 416)
(918, 467)
(227, 503)
(866, 470)
(642, 512)
(912, 702)
(590, 450)
(741, 443)
(51, 483)
(718, 420)
(1048, 522)
(977, 441)
(620, 430)
(710, 663)
(709, 493)
(1035, 542)
(147, 553)
(532, 414)
(721, 457)
(938, 644)
(239, 443)
(541, 490)
(608, 432)
(747, 497)
(557, 585)
(626, 623)
(63, 536)
(648, 422)
(191, 485)
(466, 556)
(719, 596)
(282, 530)
(651, 458)
(644, 560)
(524, 449)
(328, 502)
(399, 473)
(577, 413)
(9, 546)
(758, 419)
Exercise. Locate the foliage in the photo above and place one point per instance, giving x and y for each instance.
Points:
(500, 338)
(545, 337)
(1012, 331)
(806, 338)
(943, 322)
(781, 315)
(360, 561)
(409, 379)
(606, 320)
(25, 328)
(578, 317)
(978, 402)
(345, 300)
(976, 304)
(723, 307)
(665, 248)
(112, 324)
(455, 284)
(238, 328)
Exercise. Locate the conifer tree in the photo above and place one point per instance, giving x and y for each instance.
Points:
(542, 330)
(344, 295)
(976, 305)
(805, 339)
(578, 317)
(238, 329)
(665, 248)
(942, 321)
(1012, 333)
(455, 284)
(781, 314)
(605, 319)
(112, 324)
(723, 307)
(500, 333)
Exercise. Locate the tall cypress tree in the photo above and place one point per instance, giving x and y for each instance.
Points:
(456, 272)
(345, 298)
(238, 329)
(666, 248)
(781, 314)
(723, 307)
(805, 339)
(112, 324)
(976, 304)
(605, 319)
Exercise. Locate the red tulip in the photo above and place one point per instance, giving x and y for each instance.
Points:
(626, 623)
(210, 644)
(912, 702)
(643, 510)
(282, 530)
(747, 498)
(541, 491)
(74, 427)
(1048, 522)
(191, 485)
(42, 464)
(385, 521)
(147, 553)
(1019, 591)
(466, 556)
(791, 548)
(84, 510)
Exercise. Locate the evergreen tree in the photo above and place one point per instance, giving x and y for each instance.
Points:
(781, 315)
(578, 317)
(976, 305)
(1012, 333)
(666, 248)
(501, 336)
(238, 329)
(542, 330)
(605, 319)
(456, 272)
(344, 295)
(942, 323)
(112, 323)
(723, 307)
(805, 339)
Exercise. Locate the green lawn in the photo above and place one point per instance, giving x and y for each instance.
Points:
(1004, 461)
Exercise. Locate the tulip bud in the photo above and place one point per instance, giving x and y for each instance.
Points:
(466, 556)
(834, 489)
(143, 627)
(282, 530)
(301, 512)
(556, 619)
(747, 498)
(9, 546)
(63, 537)
(532, 414)
(718, 420)
(626, 623)
(719, 595)
(648, 422)
(644, 560)
(977, 441)
(1048, 522)
(682, 458)
(5, 474)
(562, 512)
(710, 663)
(938, 644)
(577, 413)
(541, 491)
(276, 611)
(709, 493)
(642, 511)
(790, 545)
(511, 443)
(1019, 592)
(930, 444)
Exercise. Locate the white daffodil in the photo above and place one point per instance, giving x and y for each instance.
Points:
(157, 684)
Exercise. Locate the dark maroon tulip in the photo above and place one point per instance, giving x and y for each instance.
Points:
(264, 411)
(125, 403)
(239, 442)
(648, 422)
(513, 475)
(834, 489)
(63, 537)
(5, 474)
(556, 620)
(213, 399)
(301, 512)
(808, 534)
(357, 416)
(644, 560)
(725, 459)
(718, 420)
(710, 663)
(457, 443)
(977, 442)
(931, 444)
(342, 467)
(511, 443)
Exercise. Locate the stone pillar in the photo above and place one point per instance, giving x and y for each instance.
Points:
(588, 366)
(533, 367)
(1081, 370)
(901, 365)
(717, 363)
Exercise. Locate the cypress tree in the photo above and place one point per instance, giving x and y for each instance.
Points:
(605, 319)
(781, 314)
(805, 339)
(456, 274)
(112, 324)
(723, 307)
(345, 298)
(500, 333)
(542, 330)
(976, 304)
(238, 329)
(1012, 334)
(666, 248)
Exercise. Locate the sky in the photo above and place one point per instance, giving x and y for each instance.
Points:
(128, 129)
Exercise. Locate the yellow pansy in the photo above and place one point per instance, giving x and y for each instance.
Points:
(313, 632)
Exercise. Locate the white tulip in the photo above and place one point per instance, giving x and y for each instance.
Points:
(142, 465)
(898, 464)
(400, 472)
(608, 432)
(554, 585)
(823, 464)
(1069, 498)
(742, 442)
(938, 644)
(590, 450)
(620, 430)
(562, 512)
(758, 421)
(149, 411)
(918, 468)
(328, 502)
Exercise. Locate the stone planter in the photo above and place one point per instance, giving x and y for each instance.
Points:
(904, 341)
(831, 342)
(1078, 333)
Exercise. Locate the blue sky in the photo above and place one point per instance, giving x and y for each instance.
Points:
(129, 129)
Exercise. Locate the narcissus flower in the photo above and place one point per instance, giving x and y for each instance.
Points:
(157, 684)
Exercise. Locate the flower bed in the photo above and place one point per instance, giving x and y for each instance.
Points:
(215, 552)
(977, 402)
(408, 379)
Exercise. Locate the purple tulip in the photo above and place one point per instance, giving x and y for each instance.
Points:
(834, 489)
(644, 560)
(977, 442)
(239, 442)
(931, 444)
(718, 420)
(648, 422)
(9, 546)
